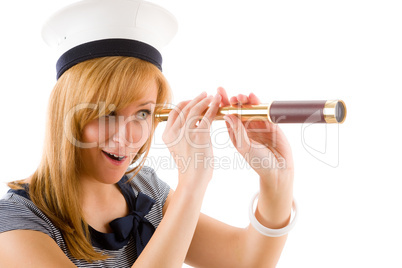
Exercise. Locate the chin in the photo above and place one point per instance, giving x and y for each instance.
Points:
(111, 176)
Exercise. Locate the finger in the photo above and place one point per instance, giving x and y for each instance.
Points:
(230, 131)
(211, 112)
(192, 103)
(224, 96)
(234, 100)
(242, 142)
(196, 111)
(175, 112)
(243, 99)
(282, 146)
(253, 99)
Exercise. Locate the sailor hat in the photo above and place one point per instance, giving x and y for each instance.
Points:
(98, 28)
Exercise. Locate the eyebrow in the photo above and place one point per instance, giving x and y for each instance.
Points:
(145, 103)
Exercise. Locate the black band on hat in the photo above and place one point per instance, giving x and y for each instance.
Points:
(108, 47)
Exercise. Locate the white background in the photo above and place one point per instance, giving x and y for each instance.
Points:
(347, 181)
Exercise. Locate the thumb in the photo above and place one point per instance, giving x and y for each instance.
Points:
(238, 133)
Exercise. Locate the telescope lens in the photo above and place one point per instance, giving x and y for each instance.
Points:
(340, 112)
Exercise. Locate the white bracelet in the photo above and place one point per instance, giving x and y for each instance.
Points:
(267, 231)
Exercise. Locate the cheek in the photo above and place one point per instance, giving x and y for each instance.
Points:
(141, 133)
(136, 133)
(91, 132)
(98, 131)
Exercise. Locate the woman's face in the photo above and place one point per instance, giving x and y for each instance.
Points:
(121, 133)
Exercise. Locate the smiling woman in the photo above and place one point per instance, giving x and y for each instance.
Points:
(120, 135)
(86, 206)
(122, 84)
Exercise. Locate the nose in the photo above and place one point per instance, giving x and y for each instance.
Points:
(123, 135)
(129, 133)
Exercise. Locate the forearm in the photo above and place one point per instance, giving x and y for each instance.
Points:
(273, 211)
(169, 244)
(274, 204)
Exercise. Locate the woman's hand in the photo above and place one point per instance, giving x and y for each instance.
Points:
(262, 144)
(187, 135)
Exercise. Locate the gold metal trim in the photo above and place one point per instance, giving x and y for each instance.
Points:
(162, 115)
(268, 114)
(330, 111)
(246, 112)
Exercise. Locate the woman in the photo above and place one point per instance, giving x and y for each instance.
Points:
(85, 207)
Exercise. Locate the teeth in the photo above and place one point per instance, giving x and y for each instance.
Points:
(119, 157)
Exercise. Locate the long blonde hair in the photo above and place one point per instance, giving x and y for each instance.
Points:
(54, 186)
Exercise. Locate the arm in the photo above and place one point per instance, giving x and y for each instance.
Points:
(218, 245)
(214, 244)
(173, 236)
(26, 248)
(169, 244)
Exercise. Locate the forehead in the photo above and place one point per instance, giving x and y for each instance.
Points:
(148, 96)
(149, 93)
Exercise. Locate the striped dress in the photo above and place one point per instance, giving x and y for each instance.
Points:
(19, 213)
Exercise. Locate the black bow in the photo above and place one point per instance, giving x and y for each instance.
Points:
(136, 223)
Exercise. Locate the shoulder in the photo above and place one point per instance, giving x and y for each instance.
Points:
(20, 213)
(148, 182)
(27, 248)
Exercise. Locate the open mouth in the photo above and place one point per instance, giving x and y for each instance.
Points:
(114, 157)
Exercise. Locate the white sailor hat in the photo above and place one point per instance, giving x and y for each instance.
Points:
(97, 28)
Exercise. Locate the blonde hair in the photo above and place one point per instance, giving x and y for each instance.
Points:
(54, 186)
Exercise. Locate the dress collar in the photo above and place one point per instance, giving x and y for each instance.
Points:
(134, 223)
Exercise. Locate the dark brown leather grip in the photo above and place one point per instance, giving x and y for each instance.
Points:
(297, 111)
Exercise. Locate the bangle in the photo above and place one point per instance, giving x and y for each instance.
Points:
(267, 231)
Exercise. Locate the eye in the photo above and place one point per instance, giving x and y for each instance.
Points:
(112, 113)
(143, 114)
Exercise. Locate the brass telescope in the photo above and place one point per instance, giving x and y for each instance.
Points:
(279, 112)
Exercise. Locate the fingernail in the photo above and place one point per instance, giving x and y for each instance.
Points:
(203, 93)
